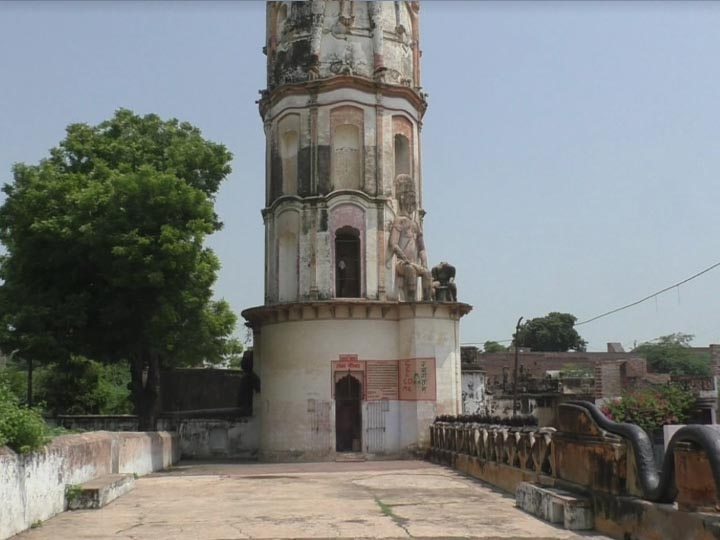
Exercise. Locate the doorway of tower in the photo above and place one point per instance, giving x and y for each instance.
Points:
(348, 416)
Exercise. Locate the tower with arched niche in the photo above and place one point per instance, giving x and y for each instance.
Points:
(353, 351)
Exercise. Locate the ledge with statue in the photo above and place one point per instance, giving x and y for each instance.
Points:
(610, 465)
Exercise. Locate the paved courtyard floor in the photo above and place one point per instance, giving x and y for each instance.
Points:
(390, 500)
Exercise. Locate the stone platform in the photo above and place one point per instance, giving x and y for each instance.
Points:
(99, 491)
(311, 500)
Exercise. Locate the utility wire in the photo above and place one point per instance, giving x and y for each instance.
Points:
(623, 307)
(649, 296)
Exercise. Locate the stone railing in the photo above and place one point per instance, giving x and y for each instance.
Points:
(500, 455)
(609, 463)
(528, 449)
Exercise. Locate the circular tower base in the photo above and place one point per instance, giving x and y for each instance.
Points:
(354, 376)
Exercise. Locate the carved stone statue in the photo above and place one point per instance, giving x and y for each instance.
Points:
(408, 246)
(444, 288)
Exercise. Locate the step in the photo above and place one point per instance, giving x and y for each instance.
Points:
(99, 491)
(350, 457)
(555, 505)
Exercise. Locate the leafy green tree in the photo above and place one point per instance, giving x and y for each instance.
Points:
(673, 354)
(493, 347)
(105, 251)
(83, 386)
(553, 333)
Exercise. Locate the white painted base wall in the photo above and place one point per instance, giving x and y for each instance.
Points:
(32, 486)
(293, 356)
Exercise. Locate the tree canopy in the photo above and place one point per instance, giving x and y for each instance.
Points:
(494, 347)
(554, 332)
(105, 250)
(673, 354)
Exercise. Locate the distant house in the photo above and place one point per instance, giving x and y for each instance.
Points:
(546, 379)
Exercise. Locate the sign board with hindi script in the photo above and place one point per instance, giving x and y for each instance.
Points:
(417, 379)
(411, 379)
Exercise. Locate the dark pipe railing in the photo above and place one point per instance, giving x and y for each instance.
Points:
(659, 486)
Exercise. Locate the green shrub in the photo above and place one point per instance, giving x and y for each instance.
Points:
(21, 429)
(83, 386)
(651, 408)
(16, 381)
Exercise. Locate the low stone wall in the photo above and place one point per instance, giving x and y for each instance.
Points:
(32, 485)
(203, 434)
(212, 438)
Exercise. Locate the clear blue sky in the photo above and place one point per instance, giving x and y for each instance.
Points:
(571, 150)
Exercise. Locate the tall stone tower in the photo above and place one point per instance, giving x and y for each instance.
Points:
(357, 346)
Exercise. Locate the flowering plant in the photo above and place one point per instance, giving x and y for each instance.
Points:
(652, 407)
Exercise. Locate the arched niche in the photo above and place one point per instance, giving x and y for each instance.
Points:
(403, 161)
(403, 146)
(289, 141)
(347, 131)
(287, 234)
(280, 18)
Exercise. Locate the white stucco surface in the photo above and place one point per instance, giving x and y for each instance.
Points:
(32, 485)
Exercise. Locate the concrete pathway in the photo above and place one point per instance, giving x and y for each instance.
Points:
(398, 499)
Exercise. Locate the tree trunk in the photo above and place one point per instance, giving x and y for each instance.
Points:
(145, 382)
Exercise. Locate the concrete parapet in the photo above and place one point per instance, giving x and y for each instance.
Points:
(694, 480)
(32, 486)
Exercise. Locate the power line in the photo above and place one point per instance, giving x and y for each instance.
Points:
(620, 308)
(649, 296)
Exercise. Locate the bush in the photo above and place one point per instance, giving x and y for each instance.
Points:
(21, 429)
(16, 381)
(83, 386)
(651, 408)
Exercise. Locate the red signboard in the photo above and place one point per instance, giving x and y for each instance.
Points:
(411, 379)
(381, 379)
(417, 379)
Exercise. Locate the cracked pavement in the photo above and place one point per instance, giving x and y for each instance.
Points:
(382, 499)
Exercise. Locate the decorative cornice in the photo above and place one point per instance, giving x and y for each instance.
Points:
(324, 200)
(271, 98)
(350, 309)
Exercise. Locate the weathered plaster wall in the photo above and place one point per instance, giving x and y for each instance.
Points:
(144, 452)
(212, 438)
(330, 170)
(326, 38)
(32, 486)
(297, 410)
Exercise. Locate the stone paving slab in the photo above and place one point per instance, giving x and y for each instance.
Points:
(388, 500)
